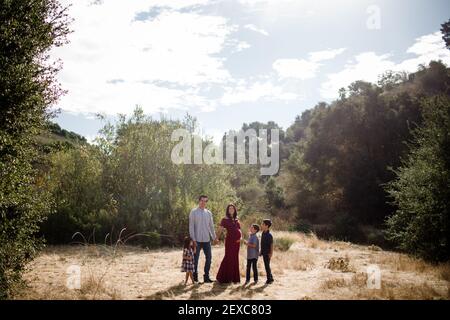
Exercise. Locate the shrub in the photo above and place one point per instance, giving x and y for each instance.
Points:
(303, 226)
(28, 86)
(151, 240)
(283, 243)
(421, 190)
(339, 264)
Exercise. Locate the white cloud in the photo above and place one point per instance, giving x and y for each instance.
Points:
(123, 97)
(426, 48)
(325, 54)
(257, 91)
(275, 11)
(238, 45)
(163, 60)
(256, 29)
(368, 66)
(114, 62)
(304, 68)
(296, 68)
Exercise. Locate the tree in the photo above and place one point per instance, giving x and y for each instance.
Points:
(152, 193)
(28, 87)
(340, 152)
(421, 223)
(81, 203)
(446, 33)
(274, 195)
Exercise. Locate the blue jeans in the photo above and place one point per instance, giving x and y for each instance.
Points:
(206, 246)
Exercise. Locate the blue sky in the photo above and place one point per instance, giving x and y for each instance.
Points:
(232, 61)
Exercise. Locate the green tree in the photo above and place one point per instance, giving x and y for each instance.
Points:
(81, 203)
(274, 195)
(28, 30)
(445, 29)
(336, 169)
(421, 189)
(152, 193)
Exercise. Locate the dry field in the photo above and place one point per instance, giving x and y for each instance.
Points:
(310, 269)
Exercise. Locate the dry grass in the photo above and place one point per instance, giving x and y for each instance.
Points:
(339, 264)
(333, 283)
(402, 262)
(401, 291)
(444, 271)
(374, 248)
(309, 269)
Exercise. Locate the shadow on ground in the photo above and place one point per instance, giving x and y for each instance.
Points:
(198, 292)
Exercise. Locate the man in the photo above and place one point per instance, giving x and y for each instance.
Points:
(201, 230)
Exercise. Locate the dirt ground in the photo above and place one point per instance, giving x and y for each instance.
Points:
(310, 269)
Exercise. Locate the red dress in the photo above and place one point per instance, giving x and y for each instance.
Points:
(229, 268)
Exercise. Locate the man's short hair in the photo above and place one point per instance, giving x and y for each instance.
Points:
(256, 227)
(267, 222)
(202, 196)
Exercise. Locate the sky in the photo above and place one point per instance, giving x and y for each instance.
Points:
(227, 62)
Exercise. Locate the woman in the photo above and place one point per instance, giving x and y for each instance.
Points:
(229, 268)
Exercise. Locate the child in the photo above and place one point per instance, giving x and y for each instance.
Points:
(252, 253)
(267, 248)
(188, 259)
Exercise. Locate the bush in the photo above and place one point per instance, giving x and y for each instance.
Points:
(303, 226)
(346, 228)
(283, 243)
(28, 86)
(421, 223)
(339, 264)
(374, 236)
(150, 240)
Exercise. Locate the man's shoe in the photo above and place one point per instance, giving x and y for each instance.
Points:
(269, 281)
(207, 280)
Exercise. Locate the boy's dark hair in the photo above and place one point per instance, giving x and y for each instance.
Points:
(267, 222)
(187, 242)
(202, 196)
(256, 227)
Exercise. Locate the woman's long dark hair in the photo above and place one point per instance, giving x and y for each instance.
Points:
(228, 214)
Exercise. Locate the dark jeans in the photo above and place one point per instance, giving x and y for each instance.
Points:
(206, 246)
(252, 263)
(267, 266)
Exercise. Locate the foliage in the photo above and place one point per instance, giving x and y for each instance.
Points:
(341, 152)
(446, 33)
(421, 189)
(127, 180)
(28, 87)
(283, 243)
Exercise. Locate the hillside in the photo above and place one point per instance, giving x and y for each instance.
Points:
(57, 135)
